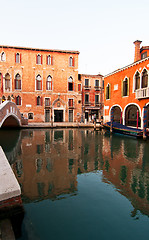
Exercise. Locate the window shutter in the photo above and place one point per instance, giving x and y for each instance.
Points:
(20, 58)
(15, 57)
(15, 84)
(73, 62)
(127, 86)
(51, 60)
(41, 59)
(109, 91)
(19, 84)
(19, 100)
(122, 88)
(41, 101)
(47, 59)
(51, 85)
(36, 100)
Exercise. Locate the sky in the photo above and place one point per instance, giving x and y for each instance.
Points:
(102, 31)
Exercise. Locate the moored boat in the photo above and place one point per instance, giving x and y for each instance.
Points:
(124, 130)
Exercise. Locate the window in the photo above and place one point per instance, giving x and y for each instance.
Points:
(3, 57)
(143, 55)
(137, 80)
(70, 102)
(97, 83)
(1, 78)
(38, 82)
(71, 62)
(30, 116)
(86, 98)
(39, 59)
(96, 99)
(70, 84)
(108, 91)
(125, 87)
(3, 99)
(39, 101)
(18, 58)
(18, 100)
(144, 79)
(49, 60)
(47, 102)
(86, 82)
(79, 87)
(18, 81)
(49, 83)
(7, 82)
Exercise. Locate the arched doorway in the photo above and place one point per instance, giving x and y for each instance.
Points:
(116, 114)
(131, 116)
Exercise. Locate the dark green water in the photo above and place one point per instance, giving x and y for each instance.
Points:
(80, 184)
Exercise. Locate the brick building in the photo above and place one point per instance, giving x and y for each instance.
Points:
(127, 90)
(42, 82)
(92, 96)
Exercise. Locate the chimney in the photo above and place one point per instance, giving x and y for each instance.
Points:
(137, 50)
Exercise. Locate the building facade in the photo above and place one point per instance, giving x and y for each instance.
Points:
(127, 90)
(42, 82)
(92, 96)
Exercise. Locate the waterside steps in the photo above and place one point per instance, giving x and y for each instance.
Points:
(10, 198)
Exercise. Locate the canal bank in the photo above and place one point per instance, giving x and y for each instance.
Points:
(10, 197)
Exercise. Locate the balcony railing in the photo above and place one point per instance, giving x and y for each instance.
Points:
(142, 93)
(87, 103)
(97, 88)
(87, 87)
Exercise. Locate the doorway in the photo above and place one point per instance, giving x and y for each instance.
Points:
(47, 115)
(58, 115)
(70, 115)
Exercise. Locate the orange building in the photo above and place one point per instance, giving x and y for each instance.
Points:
(92, 96)
(127, 90)
(43, 83)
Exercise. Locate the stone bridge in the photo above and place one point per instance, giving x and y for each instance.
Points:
(10, 115)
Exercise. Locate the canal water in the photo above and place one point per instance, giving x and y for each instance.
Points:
(80, 184)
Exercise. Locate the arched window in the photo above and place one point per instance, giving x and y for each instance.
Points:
(49, 83)
(18, 100)
(38, 82)
(137, 80)
(3, 57)
(71, 62)
(7, 82)
(49, 60)
(9, 98)
(108, 91)
(39, 59)
(3, 99)
(39, 101)
(18, 58)
(144, 82)
(18, 81)
(70, 84)
(125, 87)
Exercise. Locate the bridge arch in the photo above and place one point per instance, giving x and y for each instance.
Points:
(10, 120)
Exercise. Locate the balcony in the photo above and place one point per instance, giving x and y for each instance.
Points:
(97, 88)
(142, 93)
(87, 87)
(87, 103)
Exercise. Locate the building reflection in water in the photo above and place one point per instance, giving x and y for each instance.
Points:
(50, 160)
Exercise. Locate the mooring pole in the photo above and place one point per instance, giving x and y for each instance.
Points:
(144, 122)
(137, 118)
(112, 116)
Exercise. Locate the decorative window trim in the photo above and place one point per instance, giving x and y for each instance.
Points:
(3, 57)
(39, 101)
(39, 59)
(18, 58)
(49, 60)
(125, 87)
(38, 81)
(49, 83)
(18, 100)
(30, 115)
(71, 61)
(17, 82)
(108, 94)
